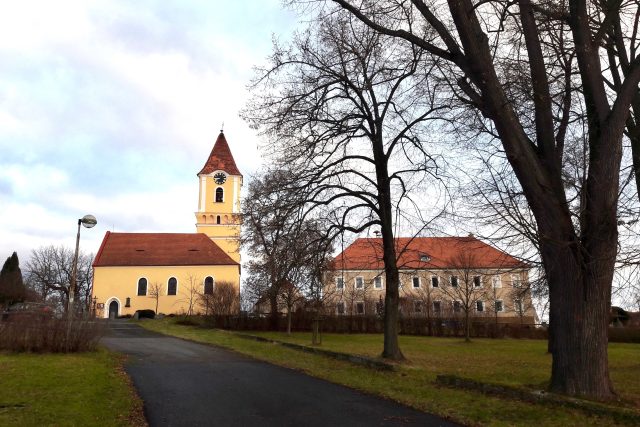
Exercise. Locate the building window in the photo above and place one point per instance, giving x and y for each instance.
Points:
(359, 307)
(416, 282)
(477, 281)
(516, 282)
(142, 287)
(359, 282)
(219, 195)
(208, 285)
(340, 308)
(457, 307)
(437, 306)
(172, 286)
(435, 281)
(497, 283)
(377, 282)
(479, 306)
(417, 306)
(517, 306)
(127, 302)
(499, 306)
(454, 281)
(425, 258)
(339, 282)
(217, 219)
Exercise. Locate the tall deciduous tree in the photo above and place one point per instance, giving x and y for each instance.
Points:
(339, 106)
(513, 63)
(288, 250)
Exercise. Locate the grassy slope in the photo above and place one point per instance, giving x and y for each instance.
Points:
(515, 362)
(82, 389)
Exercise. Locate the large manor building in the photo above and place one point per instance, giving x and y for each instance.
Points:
(176, 271)
(440, 277)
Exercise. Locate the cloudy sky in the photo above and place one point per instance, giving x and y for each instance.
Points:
(111, 107)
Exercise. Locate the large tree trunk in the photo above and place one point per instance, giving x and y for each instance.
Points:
(580, 302)
(273, 315)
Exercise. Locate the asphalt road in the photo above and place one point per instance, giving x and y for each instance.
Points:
(187, 384)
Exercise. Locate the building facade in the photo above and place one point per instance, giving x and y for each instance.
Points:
(439, 277)
(176, 272)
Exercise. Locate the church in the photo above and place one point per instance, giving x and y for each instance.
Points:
(175, 271)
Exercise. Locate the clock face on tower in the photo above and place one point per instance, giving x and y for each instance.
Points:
(220, 178)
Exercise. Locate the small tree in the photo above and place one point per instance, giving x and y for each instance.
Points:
(190, 292)
(465, 288)
(12, 288)
(155, 292)
(223, 301)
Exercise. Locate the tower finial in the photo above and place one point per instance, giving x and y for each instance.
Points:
(222, 128)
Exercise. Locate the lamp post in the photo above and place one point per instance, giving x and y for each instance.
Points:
(87, 221)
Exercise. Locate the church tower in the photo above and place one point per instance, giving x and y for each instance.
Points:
(218, 213)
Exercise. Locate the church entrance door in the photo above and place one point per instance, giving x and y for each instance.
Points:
(113, 309)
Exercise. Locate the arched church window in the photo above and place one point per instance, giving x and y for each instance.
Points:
(219, 195)
(208, 285)
(218, 219)
(142, 286)
(172, 286)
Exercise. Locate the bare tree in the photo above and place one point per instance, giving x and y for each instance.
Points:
(466, 289)
(48, 272)
(338, 106)
(288, 250)
(223, 301)
(155, 292)
(190, 292)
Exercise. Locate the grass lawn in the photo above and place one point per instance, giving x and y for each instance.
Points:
(512, 362)
(81, 389)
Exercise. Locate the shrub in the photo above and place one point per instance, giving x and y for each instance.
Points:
(49, 335)
(145, 314)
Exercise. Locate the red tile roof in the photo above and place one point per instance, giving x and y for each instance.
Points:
(220, 158)
(426, 253)
(144, 249)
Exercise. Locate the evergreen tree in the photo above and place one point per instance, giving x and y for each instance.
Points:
(12, 287)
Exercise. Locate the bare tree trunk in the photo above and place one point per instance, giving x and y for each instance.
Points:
(288, 320)
(467, 326)
(273, 316)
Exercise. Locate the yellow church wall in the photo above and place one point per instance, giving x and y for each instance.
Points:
(120, 283)
(231, 195)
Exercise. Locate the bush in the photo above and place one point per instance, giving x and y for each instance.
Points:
(50, 335)
(145, 314)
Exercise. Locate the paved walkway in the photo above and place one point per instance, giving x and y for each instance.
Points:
(187, 384)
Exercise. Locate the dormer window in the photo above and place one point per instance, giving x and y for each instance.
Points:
(219, 195)
(425, 258)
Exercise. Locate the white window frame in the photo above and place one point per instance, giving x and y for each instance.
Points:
(453, 306)
(437, 281)
(378, 280)
(496, 281)
(355, 282)
(501, 305)
(481, 305)
(215, 194)
(439, 309)
(480, 284)
(364, 309)
(451, 281)
(146, 291)
(339, 280)
(413, 282)
(516, 302)
(516, 281)
(417, 303)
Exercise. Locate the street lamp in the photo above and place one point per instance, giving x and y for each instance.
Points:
(87, 221)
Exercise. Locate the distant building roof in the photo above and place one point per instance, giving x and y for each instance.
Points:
(146, 249)
(220, 158)
(426, 253)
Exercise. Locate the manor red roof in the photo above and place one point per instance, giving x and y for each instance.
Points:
(145, 249)
(426, 253)
(220, 158)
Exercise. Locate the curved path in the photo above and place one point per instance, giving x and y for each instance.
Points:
(188, 384)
